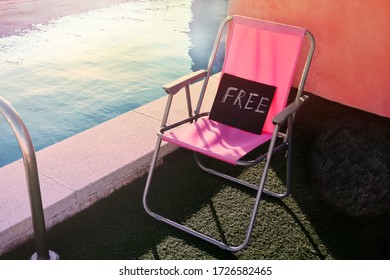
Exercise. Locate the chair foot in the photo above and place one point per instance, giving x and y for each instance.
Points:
(197, 234)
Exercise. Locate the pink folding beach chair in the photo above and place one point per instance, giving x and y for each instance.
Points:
(249, 108)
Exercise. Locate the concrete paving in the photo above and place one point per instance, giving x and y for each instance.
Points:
(87, 167)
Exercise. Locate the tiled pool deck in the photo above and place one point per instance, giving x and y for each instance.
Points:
(89, 166)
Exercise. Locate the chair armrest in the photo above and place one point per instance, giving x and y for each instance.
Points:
(289, 110)
(175, 86)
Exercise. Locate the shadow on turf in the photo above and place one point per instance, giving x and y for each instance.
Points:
(119, 228)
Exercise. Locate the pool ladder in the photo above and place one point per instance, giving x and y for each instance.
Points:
(31, 170)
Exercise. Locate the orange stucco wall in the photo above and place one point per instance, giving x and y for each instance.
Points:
(352, 59)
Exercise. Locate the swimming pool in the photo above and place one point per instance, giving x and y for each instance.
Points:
(80, 70)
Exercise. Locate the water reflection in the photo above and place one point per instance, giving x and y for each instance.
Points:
(17, 16)
(207, 16)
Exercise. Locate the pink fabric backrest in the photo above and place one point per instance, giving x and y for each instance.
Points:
(264, 52)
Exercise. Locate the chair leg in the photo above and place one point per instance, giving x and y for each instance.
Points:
(260, 191)
(289, 154)
(250, 185)
(173, 223)
(149, 178)
(238, 181)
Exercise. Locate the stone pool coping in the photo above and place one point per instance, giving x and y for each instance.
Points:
(79, 171)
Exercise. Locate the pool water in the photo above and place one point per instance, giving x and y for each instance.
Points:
(76, 71)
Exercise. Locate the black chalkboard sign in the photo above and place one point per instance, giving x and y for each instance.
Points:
(242, 103)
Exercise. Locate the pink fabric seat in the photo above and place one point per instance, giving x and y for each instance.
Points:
(216, 140)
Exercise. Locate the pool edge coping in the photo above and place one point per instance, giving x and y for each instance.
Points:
(89, 171)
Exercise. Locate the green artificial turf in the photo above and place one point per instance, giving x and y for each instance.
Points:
(302, 226)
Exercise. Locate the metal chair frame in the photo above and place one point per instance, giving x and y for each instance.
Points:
(287, 115)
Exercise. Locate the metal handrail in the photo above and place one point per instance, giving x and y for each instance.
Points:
(30, 165)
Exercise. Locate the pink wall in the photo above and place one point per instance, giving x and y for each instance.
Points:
(352, 59)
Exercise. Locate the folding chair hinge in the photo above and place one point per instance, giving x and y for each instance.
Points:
(281, 135)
